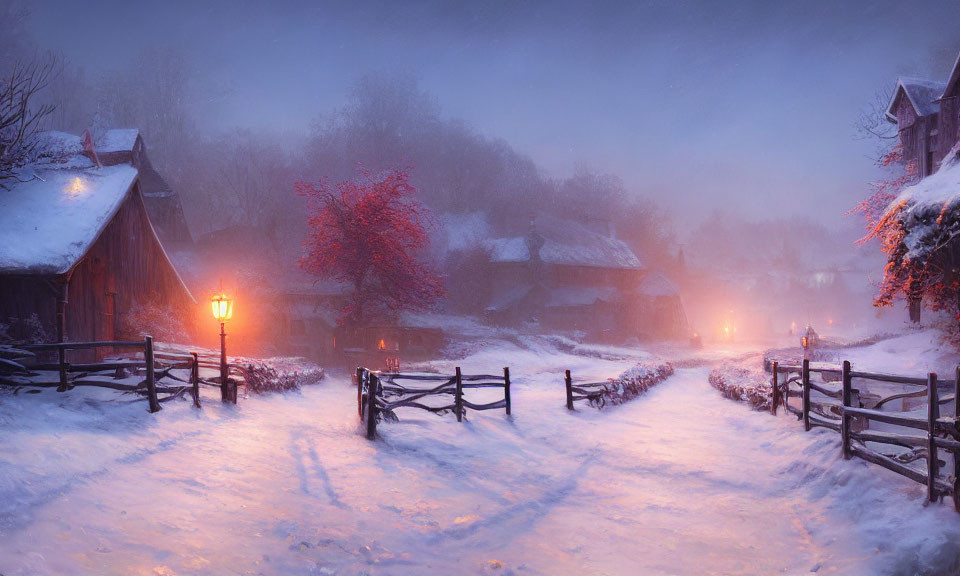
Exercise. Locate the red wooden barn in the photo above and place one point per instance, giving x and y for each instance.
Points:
(78, 251)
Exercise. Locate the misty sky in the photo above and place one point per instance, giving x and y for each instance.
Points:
(744, 105)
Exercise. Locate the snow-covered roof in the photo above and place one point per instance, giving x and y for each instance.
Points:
(508, 249)
(923, 96)
(58, 145)
(48, 222)
(566, 244)
(118, 140)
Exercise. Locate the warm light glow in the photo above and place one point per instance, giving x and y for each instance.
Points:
(804, 342)
(222, 307)
(382, 345)
(75, 186)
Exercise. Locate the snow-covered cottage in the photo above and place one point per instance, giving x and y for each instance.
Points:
(568, 277)
(927, 115)
(78, 250)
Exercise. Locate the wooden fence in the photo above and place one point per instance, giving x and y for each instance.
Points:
(379, 394)
(848, 411)
(21, 368)
(593, 392)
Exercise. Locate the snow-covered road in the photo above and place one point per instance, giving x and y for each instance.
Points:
(679, 481)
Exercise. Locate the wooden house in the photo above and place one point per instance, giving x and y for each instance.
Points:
(949, 128)
(566, 276)
(927, 115)
(915, 110)
(78, 250)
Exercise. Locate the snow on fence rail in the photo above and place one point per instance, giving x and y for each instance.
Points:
(845, 410)
(379, 394)
(627, 386)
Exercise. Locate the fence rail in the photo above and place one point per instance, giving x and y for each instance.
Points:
(156, 365)
(845, 411)
(379, 394)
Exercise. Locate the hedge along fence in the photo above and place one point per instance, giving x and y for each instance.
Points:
(623, 388)
(380, 394)
(743, 385)
(19, 368)
(843, 410)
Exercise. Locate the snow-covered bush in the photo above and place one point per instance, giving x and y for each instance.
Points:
(917, 232)
(737, 382)
(261, 377)
(632, 383)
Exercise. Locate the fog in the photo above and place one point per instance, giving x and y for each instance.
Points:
(716, 140)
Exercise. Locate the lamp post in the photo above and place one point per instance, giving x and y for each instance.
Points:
(223, 311)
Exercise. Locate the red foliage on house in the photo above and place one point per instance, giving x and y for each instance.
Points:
(368, 233)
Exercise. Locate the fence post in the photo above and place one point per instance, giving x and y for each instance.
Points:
(195, 378)
(568, 383)
(151, 380)
(458, 399)
(847, 392)
(62, 361)
(805, 397)
(933, 413)
(956, 456)
(372, 385)
(506, 387)
(776, 390)
(360, 392)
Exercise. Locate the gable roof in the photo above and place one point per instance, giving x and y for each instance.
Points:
(953, 79)
(117, 140)
(50, 221)
(922, 95)
(565, 243)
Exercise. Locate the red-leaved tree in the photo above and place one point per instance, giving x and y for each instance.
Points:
(874, 207)
(902, 274)
(368, 233)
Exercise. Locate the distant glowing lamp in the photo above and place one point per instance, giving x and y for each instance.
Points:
(382, 345)
(222, 307)
(805, 342)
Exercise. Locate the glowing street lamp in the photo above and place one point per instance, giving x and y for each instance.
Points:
(222, 307)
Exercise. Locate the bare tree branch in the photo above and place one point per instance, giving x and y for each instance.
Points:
(20, 120)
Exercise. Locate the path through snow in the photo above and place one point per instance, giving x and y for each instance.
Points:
(679, 481)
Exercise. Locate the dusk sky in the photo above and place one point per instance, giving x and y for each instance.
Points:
(743, 105)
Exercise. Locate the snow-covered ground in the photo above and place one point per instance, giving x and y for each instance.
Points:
(679, 481)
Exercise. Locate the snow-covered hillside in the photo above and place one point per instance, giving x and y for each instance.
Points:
(679, 481)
